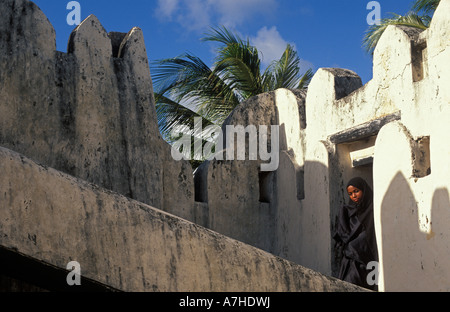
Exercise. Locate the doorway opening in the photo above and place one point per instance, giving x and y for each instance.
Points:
(353, 157)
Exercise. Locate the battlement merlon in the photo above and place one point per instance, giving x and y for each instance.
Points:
(91, 35)
(407, 64)
(34, 30)
(90, 111)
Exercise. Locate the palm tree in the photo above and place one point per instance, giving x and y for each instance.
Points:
(186, 88)
(419, 17)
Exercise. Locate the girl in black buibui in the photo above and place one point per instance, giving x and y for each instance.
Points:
(356, 232)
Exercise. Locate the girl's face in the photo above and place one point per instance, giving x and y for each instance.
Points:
(355, 194)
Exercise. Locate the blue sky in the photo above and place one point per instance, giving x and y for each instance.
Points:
(326, 33)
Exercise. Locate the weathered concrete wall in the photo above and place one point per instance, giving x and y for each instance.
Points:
(56, 218)
(411, 175)
(81, 112)
(261, 208)
(411, 216)
(89, 112)
(407, 100)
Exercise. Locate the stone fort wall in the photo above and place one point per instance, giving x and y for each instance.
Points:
(393, 132)
(86, 176)
(89, 113)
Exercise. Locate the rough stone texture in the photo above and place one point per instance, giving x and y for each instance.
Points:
(56, 218)
(88, 117)
(409, 89)
(411, 174)
(89, 112)
(410, 171)
(260, 208)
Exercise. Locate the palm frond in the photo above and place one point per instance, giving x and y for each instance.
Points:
(176, 121)
(426, 6)
(224, 36)
(237, 62)
(188, 79)
(210, 94)
(285, 70)
(172, 114)
(305, 79)
(374, 33)
(241, 75)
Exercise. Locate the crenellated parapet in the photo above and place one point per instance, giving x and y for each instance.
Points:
(393, 131)
(89, 112)
(85, 172)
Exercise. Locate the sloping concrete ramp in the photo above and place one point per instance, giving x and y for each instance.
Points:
(54, 218)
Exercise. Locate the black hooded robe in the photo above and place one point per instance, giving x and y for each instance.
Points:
(356, 232)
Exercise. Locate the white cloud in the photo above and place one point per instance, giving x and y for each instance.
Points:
(166, 8)
(270, 44)
(305, 65)
(189, 14)
(234, 12)
(200, 14)
(196, 14)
